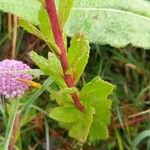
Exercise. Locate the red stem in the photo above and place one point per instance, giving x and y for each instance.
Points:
(58, 36)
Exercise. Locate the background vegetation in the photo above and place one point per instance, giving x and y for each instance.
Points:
(128, 68)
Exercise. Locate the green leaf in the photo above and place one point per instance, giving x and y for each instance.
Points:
(55, 63)
(68, 90)
(33, 30)
(95, 94)
(67, 114)
(64, 11)
(102, 109)
(51, 67)
(117, 22)
(78, 54)
(97, 89)
(45, 25)
(114, 22)
(26, 9)
(101, 119)
(66, 126)
(78, 123)
(62, 96)
(98, 131)
(30, 28)
(81, 129)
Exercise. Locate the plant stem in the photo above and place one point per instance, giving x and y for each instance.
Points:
(9, 25)
(58, 36)
(15, 129)
(14, 37)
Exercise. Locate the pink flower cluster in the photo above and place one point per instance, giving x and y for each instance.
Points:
(10, 86)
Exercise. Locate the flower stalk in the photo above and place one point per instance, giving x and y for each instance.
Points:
(14, 133)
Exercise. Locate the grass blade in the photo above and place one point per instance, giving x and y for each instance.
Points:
(139, 138)
(10, 125)
(47, 135)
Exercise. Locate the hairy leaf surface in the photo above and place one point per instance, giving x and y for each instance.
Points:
(26, 9)
(114, 22)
